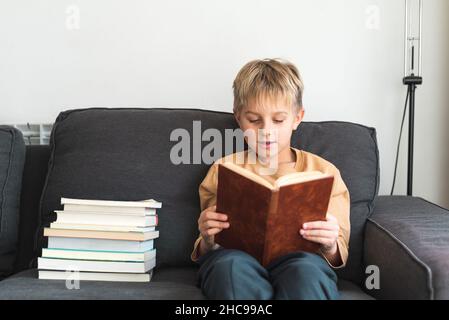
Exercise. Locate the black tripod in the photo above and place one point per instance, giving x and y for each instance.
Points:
(412, 82)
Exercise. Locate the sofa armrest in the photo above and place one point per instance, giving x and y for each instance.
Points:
(408, 239)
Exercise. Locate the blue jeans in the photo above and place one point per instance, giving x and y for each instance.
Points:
(229, 274)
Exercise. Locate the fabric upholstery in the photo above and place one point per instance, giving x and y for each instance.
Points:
(352, 148)
(167, 284)
(34, 173)
(12, 158)
(407, 238)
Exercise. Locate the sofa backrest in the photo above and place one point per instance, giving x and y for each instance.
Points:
(12, 159)
(124, 154)
(352, 148)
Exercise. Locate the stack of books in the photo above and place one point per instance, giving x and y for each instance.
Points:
(101, 240)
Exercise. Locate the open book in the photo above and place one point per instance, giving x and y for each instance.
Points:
(265, 218)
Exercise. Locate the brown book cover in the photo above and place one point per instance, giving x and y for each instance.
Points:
(265, 218)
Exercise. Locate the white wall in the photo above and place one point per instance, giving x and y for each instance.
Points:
(187, 53)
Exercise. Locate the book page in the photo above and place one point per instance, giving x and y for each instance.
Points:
(248, 174)
(298, 177)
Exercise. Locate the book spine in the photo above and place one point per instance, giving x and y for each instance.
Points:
(272, 211)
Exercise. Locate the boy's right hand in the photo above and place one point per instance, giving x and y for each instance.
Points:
(210, 223)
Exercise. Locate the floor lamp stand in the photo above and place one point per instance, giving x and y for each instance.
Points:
(412, 82)
(411, 79)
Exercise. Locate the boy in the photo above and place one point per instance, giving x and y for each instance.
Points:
(268, 101)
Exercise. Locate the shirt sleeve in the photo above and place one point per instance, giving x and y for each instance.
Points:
(339, 206)
(208, 197)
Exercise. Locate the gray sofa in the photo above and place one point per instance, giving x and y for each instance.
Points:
(124, 154)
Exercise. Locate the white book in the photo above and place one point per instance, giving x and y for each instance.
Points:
(150, 203)
(96, 276)
(95, 266)
(99, 244)
(94, 234)
(98, 255)
(110, 219)
(56, 225)
(111, 210)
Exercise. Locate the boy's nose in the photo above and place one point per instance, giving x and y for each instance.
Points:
(267, 133)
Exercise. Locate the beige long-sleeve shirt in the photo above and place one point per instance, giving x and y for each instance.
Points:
(339, 204)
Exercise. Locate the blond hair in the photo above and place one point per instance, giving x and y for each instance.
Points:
(268, 77)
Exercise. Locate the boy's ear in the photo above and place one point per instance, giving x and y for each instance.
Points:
(237, 118)
(298, 118)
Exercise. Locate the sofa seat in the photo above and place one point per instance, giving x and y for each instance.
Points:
(166, 284)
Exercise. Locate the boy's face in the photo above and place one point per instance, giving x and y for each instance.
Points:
(272, 121)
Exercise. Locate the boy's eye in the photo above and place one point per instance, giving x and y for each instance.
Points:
(254, 121)
(278, 121)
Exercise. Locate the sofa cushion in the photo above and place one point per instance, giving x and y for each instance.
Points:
(124, 154)
(352, 148)
(166, 284)
(12, 159)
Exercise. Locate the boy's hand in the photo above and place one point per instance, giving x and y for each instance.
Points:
(210, 223)
(323, 232)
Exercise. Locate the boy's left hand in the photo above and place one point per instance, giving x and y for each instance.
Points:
(323, 232)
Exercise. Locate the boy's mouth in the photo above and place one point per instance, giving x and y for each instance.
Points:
(266, 144)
